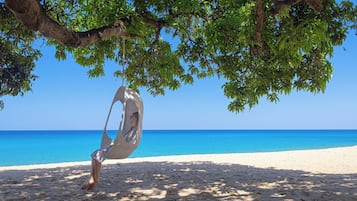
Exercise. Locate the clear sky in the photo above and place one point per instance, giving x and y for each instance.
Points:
(64, 98)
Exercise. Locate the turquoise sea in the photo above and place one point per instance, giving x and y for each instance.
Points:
(39, 147)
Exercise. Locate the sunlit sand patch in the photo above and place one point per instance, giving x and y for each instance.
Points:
(153, 193)
(70, 177)
(188, 191)
(185, 170)
(113, 194)
(279, 195)
(160, 176)
(170, 186)
(243, 193)
(89, 194)
(268, 185)
(33, 177)
(131, 180)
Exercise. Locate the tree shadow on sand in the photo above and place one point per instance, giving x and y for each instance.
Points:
(177, 181)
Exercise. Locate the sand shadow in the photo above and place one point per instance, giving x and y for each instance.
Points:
(177, 181)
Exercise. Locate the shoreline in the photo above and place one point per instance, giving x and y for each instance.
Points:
(321, 174)
(274, 159)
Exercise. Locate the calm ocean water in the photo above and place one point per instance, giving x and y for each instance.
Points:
(39, 147)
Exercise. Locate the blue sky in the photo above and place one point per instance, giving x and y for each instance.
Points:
(64, 98)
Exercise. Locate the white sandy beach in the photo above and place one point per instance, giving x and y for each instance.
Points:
(326, 174)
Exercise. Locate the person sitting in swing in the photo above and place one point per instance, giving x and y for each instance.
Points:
(130, 135)
(100, 155)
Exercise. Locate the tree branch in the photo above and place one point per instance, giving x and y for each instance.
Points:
(279, 5)
(260, 16)
(315, 4)
(33, 17)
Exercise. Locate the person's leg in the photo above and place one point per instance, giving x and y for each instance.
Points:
(93, 179)
(96, 166)
(98, 157)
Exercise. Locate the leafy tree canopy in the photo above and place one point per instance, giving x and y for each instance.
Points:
(260, 48)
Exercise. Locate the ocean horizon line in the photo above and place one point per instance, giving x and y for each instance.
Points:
(199, 129)
(151, 158)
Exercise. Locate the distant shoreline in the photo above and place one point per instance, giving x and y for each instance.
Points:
(239, 158)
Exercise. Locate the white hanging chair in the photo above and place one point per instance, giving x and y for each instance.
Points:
(130, 129)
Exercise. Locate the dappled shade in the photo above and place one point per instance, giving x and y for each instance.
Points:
(178, 181)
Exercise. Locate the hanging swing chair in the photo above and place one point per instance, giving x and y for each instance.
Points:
(128, 137)
(129, 132)
(130, 128)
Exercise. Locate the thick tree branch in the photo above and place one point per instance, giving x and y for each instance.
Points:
(33, 17)
(260, 16)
